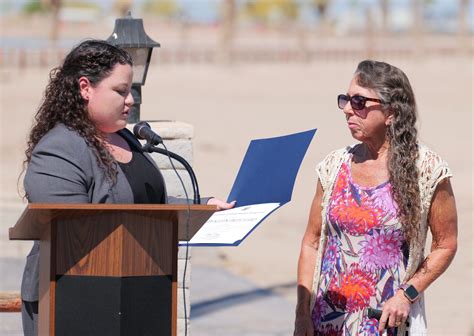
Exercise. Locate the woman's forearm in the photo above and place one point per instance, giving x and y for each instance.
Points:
(432, 267)
(308, 252)
(306, 265)
(443, 225)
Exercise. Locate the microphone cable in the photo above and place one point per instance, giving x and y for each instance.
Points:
(188, 218)
(152, 140)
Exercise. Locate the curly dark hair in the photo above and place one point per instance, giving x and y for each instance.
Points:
(63, 103)
(394, 89)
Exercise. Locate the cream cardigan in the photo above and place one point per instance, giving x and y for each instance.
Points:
(432, 170)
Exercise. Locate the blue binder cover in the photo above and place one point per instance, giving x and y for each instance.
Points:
(268, 171)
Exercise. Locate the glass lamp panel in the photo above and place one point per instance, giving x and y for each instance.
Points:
(140, 65)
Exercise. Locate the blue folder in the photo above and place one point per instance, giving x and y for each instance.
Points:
(267, 175)
(268, 171)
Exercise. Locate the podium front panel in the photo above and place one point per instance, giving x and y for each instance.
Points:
(90, 305)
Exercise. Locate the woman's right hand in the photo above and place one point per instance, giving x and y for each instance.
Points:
(303, 326)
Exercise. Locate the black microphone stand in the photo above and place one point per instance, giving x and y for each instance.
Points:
(152, 149)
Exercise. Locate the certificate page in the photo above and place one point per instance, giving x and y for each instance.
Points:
(230, 227)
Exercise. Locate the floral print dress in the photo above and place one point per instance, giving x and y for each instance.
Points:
(364, 259)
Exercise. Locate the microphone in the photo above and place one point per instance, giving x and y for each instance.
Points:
(143, 131)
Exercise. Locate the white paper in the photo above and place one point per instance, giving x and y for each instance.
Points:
(229, 227)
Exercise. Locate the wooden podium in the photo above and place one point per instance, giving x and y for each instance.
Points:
(108, 269)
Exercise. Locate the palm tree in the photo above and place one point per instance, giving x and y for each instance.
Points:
(463, 19)
(122, 7)
(227, 30)
(166, 9)
(54, 6)
(321, 7)
(417, 10)
(463, 16)
(385, 9)
(417, 28)
(265, 11)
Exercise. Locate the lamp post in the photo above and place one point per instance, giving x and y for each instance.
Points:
(130, 35)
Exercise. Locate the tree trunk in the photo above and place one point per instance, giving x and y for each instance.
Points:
(55, 24)
(417, 26)
(53, 6)
(123, 7)
(384, 5)
(463, 29)
(227, 31)
(417, 12)
(369, 34)
(324, 26)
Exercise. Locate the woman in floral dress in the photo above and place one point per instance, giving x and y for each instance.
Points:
(364, 243)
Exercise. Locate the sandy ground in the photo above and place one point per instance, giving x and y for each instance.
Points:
(229, 106)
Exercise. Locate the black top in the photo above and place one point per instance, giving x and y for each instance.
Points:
(145, 180)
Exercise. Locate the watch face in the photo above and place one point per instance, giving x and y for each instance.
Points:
(411, 292)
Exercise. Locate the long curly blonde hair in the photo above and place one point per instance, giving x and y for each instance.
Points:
(396, 93)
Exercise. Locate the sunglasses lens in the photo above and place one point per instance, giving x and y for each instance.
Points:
(342, 101)
(358, 102)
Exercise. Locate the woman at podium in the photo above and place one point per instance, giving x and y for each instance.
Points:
(79, 150)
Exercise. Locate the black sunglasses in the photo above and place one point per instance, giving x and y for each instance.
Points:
(357, 102)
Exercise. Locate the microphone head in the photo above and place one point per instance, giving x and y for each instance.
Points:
(137, 129)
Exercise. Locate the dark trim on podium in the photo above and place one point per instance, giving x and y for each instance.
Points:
(98, 305)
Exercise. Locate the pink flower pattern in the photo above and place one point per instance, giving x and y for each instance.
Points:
(350, 208)
(381, 250)
(381, 198)
(354, 291)
(320, 307)
(332, 260)
(362, 263)
(369, 327)
(329, 330)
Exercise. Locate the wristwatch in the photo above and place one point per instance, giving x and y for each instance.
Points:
(410, 292)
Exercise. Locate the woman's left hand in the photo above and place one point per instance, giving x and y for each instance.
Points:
(394, 311)
(221, 205)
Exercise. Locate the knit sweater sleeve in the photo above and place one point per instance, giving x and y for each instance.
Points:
(433, 170)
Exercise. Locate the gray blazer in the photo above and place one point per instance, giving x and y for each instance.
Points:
(63, 169)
